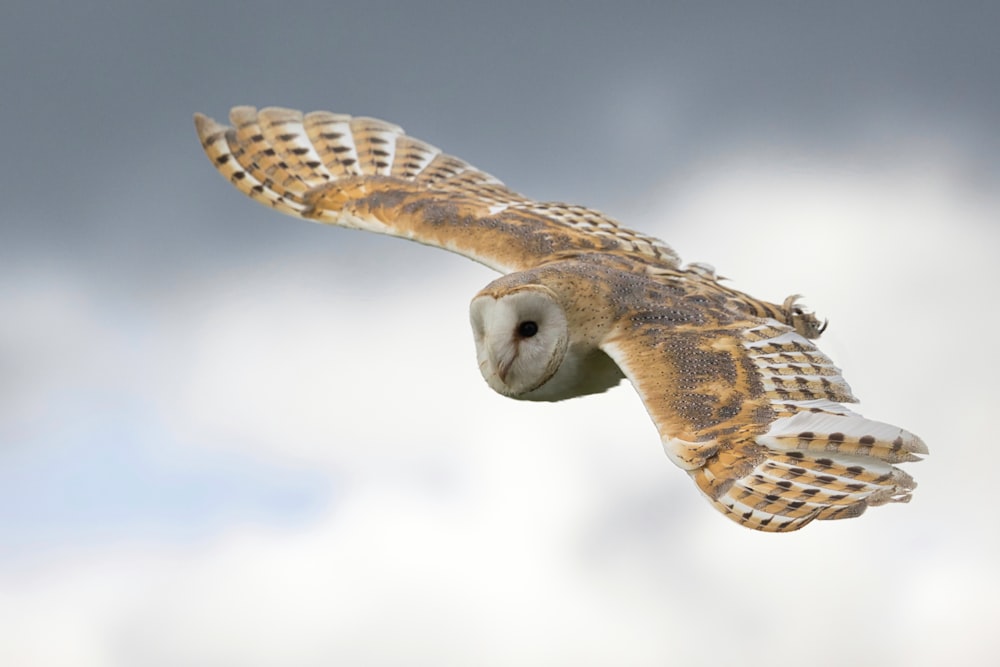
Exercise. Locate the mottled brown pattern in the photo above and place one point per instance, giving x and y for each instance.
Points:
(741, 397)
(698, 390)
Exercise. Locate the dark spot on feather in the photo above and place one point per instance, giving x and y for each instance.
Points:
(867, 440)
(807, 435)
(836, 437)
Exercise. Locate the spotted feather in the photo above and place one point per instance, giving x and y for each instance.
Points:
(772, 447)
(367, 174)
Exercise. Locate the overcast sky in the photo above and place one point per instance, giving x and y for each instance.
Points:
(229, 437)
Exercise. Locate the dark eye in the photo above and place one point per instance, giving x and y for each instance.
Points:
(527, 329)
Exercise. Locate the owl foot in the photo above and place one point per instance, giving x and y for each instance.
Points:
(804, 322)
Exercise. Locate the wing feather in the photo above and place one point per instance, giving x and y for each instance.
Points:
(367, 174)
(753, 412)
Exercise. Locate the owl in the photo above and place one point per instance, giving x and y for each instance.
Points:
(742, 399)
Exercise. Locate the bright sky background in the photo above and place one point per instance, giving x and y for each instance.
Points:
(228, 437)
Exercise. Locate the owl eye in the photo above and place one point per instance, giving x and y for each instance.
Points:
(527, 329)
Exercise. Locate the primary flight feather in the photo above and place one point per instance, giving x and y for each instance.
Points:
(742, 399)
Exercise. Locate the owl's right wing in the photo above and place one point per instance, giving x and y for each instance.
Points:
(754, 412)
(367, 174)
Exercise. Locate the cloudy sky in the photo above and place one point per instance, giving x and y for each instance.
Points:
(229, 437)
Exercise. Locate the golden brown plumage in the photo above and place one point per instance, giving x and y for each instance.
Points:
(743, 401)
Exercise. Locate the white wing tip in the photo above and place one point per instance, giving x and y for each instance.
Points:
(849, 434)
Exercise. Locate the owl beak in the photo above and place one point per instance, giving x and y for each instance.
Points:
(502, 369)
(503, 360)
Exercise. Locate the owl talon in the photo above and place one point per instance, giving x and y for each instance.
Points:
(803, 321)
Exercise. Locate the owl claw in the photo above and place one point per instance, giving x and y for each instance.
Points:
(804, 322)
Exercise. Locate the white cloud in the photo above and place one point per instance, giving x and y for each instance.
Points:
(466, 528)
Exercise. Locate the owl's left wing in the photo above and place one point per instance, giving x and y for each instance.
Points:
(754, 413)
(367, 174)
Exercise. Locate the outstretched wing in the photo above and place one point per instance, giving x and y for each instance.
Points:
(367, 174)
(753, 412)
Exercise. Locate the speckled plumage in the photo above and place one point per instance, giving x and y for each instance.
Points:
(742, 399)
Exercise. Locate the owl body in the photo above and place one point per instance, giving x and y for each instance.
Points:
(743, 400)
(674, 299)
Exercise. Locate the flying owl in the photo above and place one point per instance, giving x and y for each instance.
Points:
(742, 399)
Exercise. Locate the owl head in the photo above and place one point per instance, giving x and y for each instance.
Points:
(521, 337)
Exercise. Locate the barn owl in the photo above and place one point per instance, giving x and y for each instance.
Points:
(742, 400)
